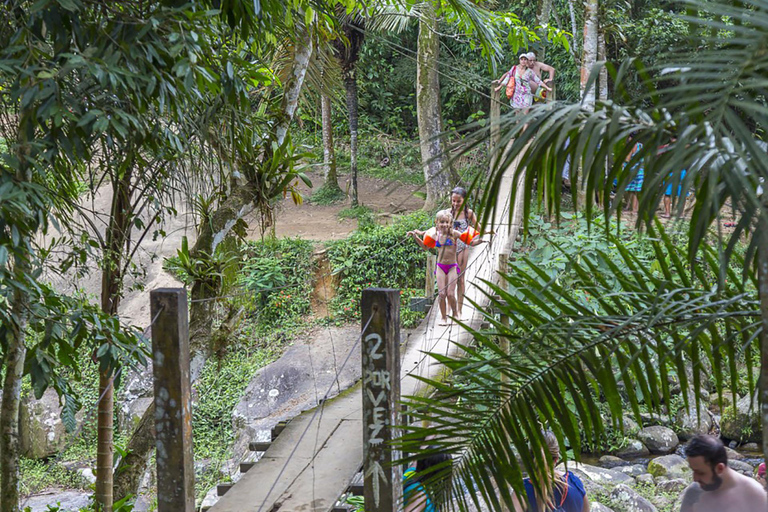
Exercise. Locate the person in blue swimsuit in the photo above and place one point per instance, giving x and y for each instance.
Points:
(415, 496)
(565, 494)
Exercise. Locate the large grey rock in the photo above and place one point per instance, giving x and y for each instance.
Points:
(733, 454)
(658, 439)
(742, 467)
(745, 425)
(210, 499)
(669, 466)
(41, 430)
(130, 413)
(651, 419)
(630, 426)
(691, 421)
(67, 500)
(599, 475)
(628, 500)
(599, 507)
(632, 450)
(674, 485)
(611, 461)
(633, 470)
(645, 478)
(295, 382)
(133, 397)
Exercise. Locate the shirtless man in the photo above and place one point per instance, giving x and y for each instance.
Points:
(716, 487)
(540, 67)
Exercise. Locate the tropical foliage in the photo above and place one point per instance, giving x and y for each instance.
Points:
(611, 329)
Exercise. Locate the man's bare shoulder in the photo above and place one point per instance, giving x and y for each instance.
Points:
(691, 497)
(752, 488)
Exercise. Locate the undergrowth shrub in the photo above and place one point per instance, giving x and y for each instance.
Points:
(278, 272)
(380, 257)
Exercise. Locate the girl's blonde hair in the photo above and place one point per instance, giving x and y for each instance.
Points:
(443, 214)
(550, 480)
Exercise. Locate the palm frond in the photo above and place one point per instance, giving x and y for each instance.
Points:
(703, 112)
(636, 321)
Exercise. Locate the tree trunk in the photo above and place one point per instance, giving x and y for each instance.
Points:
(574, 30)
(13, 362)
(131, 468)
(543, 12)
(589, 52)
(588, 60)
(350, 85)
(762, 285)
(603, 80)
(118, 236)
(329, 152)
(292, 89)
(428, 109)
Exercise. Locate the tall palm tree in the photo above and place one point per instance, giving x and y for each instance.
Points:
(347, 50)
(703, 112)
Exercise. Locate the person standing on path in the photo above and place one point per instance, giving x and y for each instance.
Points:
(519, 82)
(539, 67)
(716, 487)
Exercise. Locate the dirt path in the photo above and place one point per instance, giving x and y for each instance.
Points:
(316, 222)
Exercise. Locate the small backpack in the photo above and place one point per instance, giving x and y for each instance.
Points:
(511, 83)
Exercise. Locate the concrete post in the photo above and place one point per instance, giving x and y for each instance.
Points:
(381, 394)
(173, 403)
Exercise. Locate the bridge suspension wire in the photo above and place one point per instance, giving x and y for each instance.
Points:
(314, 416)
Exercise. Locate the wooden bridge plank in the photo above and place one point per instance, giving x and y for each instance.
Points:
(323, 481)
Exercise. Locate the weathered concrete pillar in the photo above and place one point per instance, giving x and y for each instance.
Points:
(173, 402)
(381, 396)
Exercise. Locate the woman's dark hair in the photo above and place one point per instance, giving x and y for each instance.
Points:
(709, 447)
(461, 191)
(423, 471)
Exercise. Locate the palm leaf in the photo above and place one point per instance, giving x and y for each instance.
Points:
(567, 358)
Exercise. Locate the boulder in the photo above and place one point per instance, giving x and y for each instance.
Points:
(645, 478)
(691, 421)
(67, 500)
(629, 425)
(284, 388)
(733, 454)
(669, 466)
(130, 413)
(744, 425)
(752, 447)
(651, 419)
(714, 404)
(672, 486)
(633, 470)
(611, 461)
(658, 439)
(627, 499)
(632, 450)
(599, 507)
(741, 467)
(209, 500)
(599, 475)
(41, 430)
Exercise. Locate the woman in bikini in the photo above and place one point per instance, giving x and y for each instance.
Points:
(446, 241)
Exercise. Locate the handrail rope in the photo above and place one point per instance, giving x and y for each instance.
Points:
(314, 415)
(425, 353)
(86, 419)
(407, 52)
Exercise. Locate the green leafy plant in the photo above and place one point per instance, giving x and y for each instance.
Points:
(379, 257)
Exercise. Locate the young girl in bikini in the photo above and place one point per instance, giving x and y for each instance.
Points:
(463, 219)
(446, 240)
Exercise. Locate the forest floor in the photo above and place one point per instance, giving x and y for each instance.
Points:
(322, 222)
